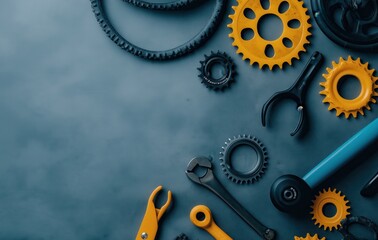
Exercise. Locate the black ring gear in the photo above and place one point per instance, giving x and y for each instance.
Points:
(249, 176)
(166, 6)
(205, 71)
(349, 23)
(189, 46)
(344, 229)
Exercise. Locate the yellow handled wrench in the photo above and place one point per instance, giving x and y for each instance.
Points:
(201, 217)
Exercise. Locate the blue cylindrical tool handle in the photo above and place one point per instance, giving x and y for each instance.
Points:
(342, 155)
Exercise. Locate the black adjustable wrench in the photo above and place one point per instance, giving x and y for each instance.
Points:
(209, 181)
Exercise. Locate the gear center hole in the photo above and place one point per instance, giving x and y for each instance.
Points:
(270, 27)
(217, 71)
(349, 87)
(329, 210)
(243, 159)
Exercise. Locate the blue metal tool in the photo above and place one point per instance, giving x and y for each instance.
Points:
(293, 194)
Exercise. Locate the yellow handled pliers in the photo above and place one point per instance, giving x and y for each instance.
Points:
(149, 225)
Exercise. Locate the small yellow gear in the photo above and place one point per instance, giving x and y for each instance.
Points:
(329, 197)
(363, 74)
(309, 237)
(286, 47)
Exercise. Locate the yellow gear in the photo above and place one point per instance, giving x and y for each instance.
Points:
(329, 197)
(309, 237)
(363, 74)
(254, 48)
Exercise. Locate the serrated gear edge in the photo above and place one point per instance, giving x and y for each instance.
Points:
(227, 82)
(328, 88)
(309, 237)
(258, 174)
(302, 47)
(167, 6)
(190, 46)
(319, 218)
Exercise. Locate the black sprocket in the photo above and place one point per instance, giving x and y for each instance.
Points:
(205, 71)
(251, 175)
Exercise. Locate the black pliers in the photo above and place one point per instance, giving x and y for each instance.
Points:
(296, 91)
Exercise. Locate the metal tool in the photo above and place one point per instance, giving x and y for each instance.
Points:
(149, 225)
(209, 181)
(292, 194)
(296, 91)
(371, 187)
(202, 218)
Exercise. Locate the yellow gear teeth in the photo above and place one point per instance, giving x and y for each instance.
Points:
(368, 87)
(329, 197)
(309, 237)
(254, 48)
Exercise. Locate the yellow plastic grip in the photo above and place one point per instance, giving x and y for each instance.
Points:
(200, 216)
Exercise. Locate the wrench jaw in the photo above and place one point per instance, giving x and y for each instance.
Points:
(300, 109)
(288, 94)
(209, 181)
(199, 162)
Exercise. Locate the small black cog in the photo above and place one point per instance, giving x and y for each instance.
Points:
(251, 175)
(228, 74)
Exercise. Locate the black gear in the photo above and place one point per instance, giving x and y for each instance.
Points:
(205, 70)
(355, 21)
(344, 229)
(167, 6)
(251, 175)
(191, 45)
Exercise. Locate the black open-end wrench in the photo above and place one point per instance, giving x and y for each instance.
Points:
(296, 91)
(209, 181)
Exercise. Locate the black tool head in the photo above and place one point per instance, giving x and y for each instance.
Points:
(291, 194)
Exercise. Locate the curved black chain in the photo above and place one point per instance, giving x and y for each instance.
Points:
(166, 6)
(189, 46)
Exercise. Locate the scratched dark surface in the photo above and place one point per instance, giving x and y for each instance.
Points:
(87, 131)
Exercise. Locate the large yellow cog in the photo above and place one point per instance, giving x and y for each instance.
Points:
(309, 237)
(363, 74)
(329, 197)
(247, 15)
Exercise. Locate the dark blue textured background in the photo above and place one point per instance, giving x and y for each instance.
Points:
(87, 131)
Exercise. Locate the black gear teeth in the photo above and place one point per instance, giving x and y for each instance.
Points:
(205, 76)
(261, 166)
(186, 48)
(169, 6)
